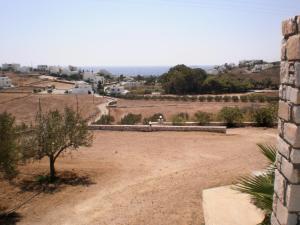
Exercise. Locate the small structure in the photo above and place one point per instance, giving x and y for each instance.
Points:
(25, 69)
(42, 68)
(116, 90)
(11, 67)
(93, 78)
(54, 70)
(131, 84)
(81, 87)
(5, 82)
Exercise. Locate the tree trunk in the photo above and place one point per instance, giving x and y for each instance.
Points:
(52, 168)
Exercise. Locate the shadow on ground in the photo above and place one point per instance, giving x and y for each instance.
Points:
(10, 219)
(41, 182)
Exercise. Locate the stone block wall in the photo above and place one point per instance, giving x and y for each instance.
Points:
(286, 205)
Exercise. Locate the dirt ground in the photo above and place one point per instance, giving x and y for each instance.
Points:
(25, 106)
(140, 178)
(170, 108)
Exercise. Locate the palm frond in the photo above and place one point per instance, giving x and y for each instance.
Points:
(269, 151)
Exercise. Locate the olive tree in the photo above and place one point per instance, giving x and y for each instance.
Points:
(9, 148)
(55, 133)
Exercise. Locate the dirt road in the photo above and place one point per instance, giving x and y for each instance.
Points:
(146, 178)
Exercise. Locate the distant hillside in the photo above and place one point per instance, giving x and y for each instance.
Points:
(272, 73)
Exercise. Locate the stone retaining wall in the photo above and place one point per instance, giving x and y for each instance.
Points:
(286, 206)
(146, 128)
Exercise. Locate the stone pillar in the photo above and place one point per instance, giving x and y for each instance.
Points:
(286, 206)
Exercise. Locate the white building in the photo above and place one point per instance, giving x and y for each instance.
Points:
(81, 87)
(25, 69)
(73, 68)
(131, 84)
(54, 69)
(262, 67)
(11, 66)
(42, 68)
(5, 82)
(116, 90)
(93, 78)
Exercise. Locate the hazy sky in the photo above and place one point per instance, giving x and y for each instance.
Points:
(141, 32)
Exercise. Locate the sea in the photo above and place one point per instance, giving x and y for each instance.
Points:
(137, 70)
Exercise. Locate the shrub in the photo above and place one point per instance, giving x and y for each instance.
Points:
(235, 98)
(209, 98)
(193, 98)
(261, 98)
(218, 98)
(232, 116)
(244, 98)
(131, 119)
(252, 98)
(106, 120)
(202, 117)
(265, 117)
(202, 98)
(226, 98)
(154, 118)
(180, 119)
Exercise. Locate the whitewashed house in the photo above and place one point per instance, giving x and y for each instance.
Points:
(5, 82)
(11, 66)
(25, 69)
(81, 87)
(93, 78)
(42, 68)
(54, 69)
(131, 84)
(116, 90)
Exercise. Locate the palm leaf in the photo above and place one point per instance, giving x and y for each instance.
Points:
(261, 187)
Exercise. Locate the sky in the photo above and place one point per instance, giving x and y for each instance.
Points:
(141, 32)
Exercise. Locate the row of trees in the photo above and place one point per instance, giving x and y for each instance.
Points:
(182, 80)
(52, 134)
(202, 98)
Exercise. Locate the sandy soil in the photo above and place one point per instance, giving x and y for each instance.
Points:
(170, 108)
(25, 106)
(142, 178)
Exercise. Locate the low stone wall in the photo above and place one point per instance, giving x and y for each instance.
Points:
(146, 128)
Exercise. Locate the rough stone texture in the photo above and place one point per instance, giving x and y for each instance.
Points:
(289, 27)
(295, 156)
(293, 48)
(296, 114)
(284, 111)
(280, 186)
(283, 50)
(293, 204)
(286, 201)
(288, 170)
(293, 95)
(284, 217)
(283, 148)
(292, 134)
(284, 72)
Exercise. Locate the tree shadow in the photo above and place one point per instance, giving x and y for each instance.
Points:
(41, 183)
(10, 219)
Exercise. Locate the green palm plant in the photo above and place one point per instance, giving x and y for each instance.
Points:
(261, 187)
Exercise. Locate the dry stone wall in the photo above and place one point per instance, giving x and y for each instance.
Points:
(286, 205)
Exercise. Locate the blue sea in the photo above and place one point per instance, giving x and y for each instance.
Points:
(136, 70)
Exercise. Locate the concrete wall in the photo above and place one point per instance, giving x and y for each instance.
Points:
(286, 207)
(146, 128)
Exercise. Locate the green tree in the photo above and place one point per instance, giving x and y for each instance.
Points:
(100, 88)
(56, 132)
(232, 116)
(131, 119)
(202, 117)
(9, 146)
(106, 120)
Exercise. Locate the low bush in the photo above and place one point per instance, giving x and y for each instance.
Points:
(180, 119)
(218, 98)
(131, 119)
(232, 116)
(202, 118)
(202, 98)
(244, 98)
(235, 98)
(154, 118)
(209, 98)
(265, 117)
(106, 120)
(226, 98)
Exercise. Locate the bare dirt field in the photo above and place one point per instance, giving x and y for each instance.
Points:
(170, 108)
(140, 178)
(25, 106)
